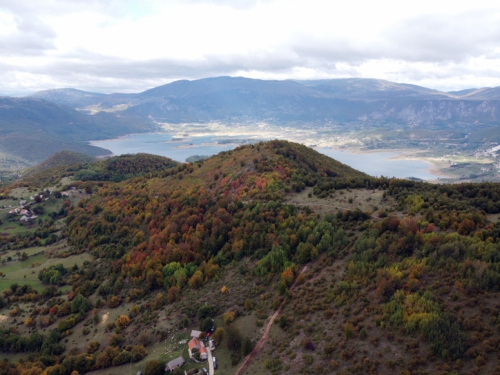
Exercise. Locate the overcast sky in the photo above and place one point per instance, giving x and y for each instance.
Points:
(132, 45)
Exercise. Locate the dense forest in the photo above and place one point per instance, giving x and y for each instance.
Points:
(369, 275)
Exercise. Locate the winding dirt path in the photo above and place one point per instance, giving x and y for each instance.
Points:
(249, 358)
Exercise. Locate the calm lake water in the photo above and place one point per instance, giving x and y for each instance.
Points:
(375, 164)
(382, 164)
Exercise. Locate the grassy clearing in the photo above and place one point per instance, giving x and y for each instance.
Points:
(29, 250)
(66, 180)
(6, 283)
(26, 272)
(349, 199)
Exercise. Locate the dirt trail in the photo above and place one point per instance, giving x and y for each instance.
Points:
(249, 358)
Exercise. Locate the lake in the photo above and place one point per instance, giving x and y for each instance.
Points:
(382, 164)
(177, 148)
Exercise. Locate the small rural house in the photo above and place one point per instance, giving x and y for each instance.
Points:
(195, 334)
(175, 363)
(196, 344)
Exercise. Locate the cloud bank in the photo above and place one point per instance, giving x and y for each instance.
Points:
(130, 46)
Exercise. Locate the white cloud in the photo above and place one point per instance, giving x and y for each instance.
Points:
(111, 45)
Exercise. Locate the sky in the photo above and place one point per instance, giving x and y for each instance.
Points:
(133, 45)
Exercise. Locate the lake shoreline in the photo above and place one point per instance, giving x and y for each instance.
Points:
(181, 144)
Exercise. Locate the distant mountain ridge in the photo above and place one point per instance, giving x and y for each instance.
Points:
(339, 100)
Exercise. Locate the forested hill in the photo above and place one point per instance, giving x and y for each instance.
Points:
(363, 275)
(60, 158)
(81, 168)
(33, 129)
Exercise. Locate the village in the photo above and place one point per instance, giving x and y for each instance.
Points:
(27, 214)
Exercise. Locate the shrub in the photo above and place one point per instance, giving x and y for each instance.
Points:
(246, 347)
(113, 301)
(228, 317)
(92, 346)
(218, 335)
(122, 358)
(248, 304)
(234, 339)
(196, 280)
(66, 324)
(206, 324)
(173, 294)
(116, 340)
(138, 352)
(307, 344)
(122, 321)
(144, 338)
(80, 304)
(274, 365)
(308, 359)
(154, 367)
(348, 330)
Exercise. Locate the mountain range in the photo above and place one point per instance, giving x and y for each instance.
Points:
(338, 100)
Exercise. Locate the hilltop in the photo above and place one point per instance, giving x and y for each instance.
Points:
(80, 167)
(60, 158)
(347, 273)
